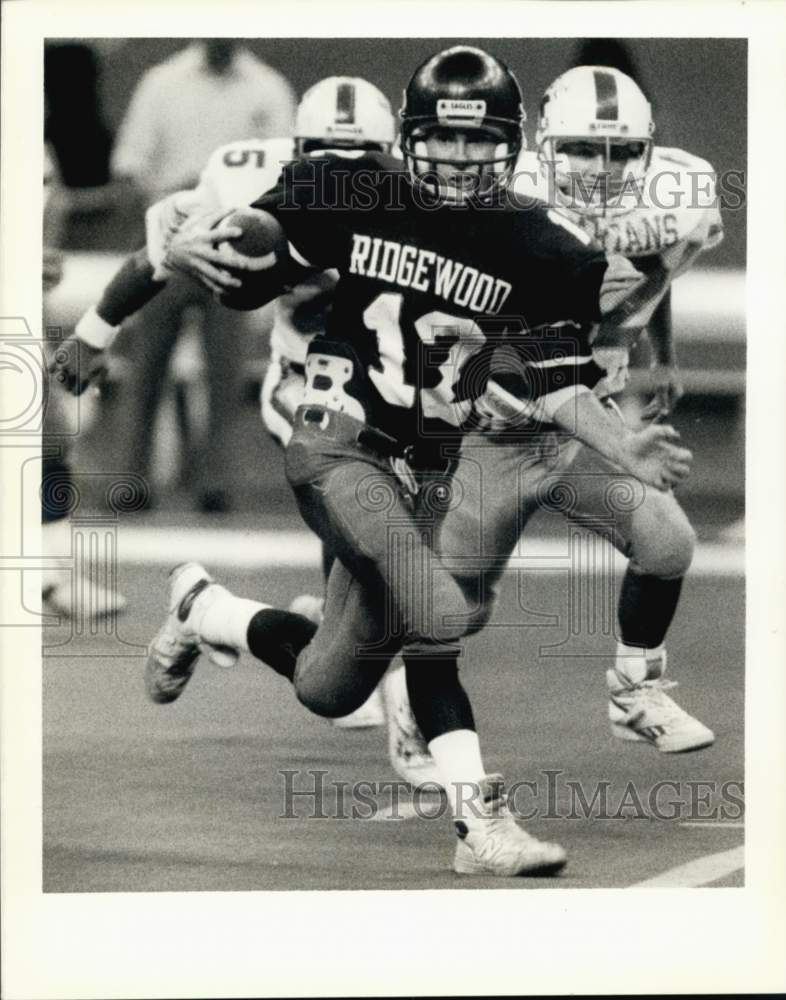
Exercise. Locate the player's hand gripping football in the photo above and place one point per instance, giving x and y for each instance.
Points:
(76, 365)
(668, 390)
(655, 456)
(200, 248)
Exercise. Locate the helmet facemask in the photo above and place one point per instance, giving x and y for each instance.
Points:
(473, 176)
(597, 173)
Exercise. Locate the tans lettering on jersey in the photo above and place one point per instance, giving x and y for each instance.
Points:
(424, 270)
(636, 234)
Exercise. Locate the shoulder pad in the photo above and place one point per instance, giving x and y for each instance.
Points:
(243, 150)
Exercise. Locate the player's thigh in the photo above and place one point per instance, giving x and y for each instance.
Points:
(359, 509)
(483, 520)
(647, 525)
(350, 650)
(497, 486)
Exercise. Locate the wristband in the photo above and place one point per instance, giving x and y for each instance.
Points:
(94, 331)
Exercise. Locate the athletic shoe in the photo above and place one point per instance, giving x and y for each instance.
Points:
(409, 754)
(495, 844)
(173, 653)
(87, 600)
(644, 713)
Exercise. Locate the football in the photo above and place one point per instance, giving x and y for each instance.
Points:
(262, 235)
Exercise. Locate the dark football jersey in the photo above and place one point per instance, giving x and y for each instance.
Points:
(427, 292)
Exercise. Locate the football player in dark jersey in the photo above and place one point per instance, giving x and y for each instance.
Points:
(437, 270)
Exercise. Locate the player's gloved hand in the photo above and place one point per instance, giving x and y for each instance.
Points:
(76, 365)
(655, 456)
(200, 249)
(668, 391)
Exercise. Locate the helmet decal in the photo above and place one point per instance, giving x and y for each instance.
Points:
(606, 96)
(345, 103)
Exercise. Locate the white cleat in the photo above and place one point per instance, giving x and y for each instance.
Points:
(408, 750)
(643, 712)
(368, 716)
(495, 844)
(173, 653)
(83, 599)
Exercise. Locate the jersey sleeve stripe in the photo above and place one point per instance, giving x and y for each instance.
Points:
(298, 256)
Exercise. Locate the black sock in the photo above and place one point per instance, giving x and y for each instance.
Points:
(278, 637)
(646, 608)
(439, 702)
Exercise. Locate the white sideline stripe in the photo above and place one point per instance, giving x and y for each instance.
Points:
(697, 824)
(428, 808)
(300, 549)
(702, 871)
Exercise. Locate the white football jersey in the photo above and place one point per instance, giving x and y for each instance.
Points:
(236, 175)
(675, 217)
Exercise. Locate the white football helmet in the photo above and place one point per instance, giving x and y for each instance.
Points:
(598, 105)
(344, 112)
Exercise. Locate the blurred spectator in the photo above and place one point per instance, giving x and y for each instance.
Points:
(75, 126)
(63, 591)
(80, 143)
(212, 92)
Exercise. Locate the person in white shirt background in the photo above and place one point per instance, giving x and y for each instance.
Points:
(212, 92)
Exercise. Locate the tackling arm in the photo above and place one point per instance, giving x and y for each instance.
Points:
(652, 455)
(80, 360)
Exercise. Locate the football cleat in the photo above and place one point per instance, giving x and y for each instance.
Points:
(642, 712)
(495, 844)
(409, 753)
(370, 714)
(173, 653)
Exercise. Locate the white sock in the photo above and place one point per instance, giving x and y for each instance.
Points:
(636, 664)
(458, 759)
(222, 619)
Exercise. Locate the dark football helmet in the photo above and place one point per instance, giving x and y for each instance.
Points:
(463, 89)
